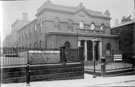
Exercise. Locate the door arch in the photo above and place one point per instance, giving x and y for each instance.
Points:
(108, 49)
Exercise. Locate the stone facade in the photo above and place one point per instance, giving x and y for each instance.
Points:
(56, 24)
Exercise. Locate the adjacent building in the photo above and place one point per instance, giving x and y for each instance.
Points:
(57, 25)
(126, 32)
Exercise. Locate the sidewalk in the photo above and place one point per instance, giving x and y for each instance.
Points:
(87, 81)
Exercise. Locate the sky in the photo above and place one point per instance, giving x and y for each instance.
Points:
(13, 10)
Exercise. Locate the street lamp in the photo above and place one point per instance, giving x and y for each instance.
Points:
(94, 60)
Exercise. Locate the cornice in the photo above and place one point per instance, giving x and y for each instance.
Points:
(83, 35)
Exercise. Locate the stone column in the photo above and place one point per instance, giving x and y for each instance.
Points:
(93, 49)
(85, 50)
(100, 49)
(94, 60)
(79, 43)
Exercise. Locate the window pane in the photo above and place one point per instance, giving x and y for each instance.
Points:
(92, 26)
(81, 25)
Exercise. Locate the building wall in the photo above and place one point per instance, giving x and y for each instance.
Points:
(126, 39)
(114, 46)
(50, 17)
(134, 38)
(57, 41)
(29, 35)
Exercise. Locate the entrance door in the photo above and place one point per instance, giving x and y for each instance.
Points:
(89, 50)
(82, 44)
(97, 50)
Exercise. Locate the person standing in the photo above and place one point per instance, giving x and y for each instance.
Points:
(28, 72)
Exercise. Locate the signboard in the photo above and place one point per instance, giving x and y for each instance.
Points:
(37, 57)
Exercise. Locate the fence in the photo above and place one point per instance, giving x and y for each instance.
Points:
(22, 56)
(45, 64)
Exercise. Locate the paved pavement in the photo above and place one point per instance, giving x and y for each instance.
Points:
(110, 66)
(125, 83)
(128, 80)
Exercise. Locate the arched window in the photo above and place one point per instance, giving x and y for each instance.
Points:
(35, 28)
(67, 45)
(57, 23)
(108, 49)
(81, 25)
(30, 32)
(70, 24)
(108, 46)
(92, 26)
(102, 27)
(40, 44)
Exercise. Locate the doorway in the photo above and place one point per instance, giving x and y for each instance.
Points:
(89, 50)
(97, 50)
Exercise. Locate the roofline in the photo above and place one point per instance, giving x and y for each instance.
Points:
(15, 22)
(62, 11)
(27, 24)
(124, 23)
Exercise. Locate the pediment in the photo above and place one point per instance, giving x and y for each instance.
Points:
(82, 13)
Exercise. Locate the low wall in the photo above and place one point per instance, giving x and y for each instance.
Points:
(43, 72)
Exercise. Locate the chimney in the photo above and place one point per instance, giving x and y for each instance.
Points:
(81, 5)
(107, 13)
(25, 16)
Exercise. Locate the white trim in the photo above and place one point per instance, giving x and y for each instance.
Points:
(35, 51)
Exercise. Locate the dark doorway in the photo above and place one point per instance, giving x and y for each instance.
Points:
(89, 50)
(96, 50)
(82, 44)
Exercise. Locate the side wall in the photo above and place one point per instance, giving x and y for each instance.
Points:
(114, 46)
(57, 41)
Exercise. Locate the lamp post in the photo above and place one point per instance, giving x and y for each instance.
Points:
(94, 60)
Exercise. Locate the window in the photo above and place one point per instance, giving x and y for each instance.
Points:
(26, 34)
(70, 24)
(81, 25)
(35, 28)
(92, 27)
(102, 27)
(57, 23)
(108, 49)
(67, 45)
(30, 32)
(40, 26)
(40, 44)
